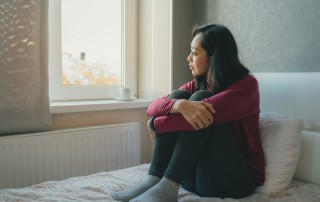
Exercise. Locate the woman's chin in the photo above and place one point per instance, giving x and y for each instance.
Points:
(194, 73)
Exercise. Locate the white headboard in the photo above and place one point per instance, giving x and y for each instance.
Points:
(292, 94)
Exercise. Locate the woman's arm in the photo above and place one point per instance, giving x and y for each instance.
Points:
(197, 113)
(162, 106)
(238, 101)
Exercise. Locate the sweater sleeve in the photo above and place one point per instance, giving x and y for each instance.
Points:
(238, 101)
(162, 106)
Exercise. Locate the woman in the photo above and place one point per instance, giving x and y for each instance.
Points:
(206, 132)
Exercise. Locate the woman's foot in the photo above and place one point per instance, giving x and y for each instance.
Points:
(131, 193)
(166, 190)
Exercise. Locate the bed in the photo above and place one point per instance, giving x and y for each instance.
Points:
(98, 187)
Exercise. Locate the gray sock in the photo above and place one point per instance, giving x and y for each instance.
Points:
(165, 190)
(131, 193)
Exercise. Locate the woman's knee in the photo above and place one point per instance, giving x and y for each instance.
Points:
(200, 95)
(180, 94)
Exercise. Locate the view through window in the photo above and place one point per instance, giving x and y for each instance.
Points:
(91, 42)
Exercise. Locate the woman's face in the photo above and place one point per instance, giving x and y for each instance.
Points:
(198, 58)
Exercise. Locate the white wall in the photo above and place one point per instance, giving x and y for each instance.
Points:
(164, 43)
(154, 77)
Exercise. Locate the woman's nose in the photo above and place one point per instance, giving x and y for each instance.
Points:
(189, 58)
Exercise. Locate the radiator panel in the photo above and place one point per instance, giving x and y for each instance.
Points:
(33, 158)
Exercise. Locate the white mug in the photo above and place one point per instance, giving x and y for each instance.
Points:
(124, 92)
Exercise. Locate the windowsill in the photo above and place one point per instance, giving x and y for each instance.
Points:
(96, 105)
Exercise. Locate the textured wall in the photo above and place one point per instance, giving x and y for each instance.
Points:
(272, 35)
(183, 20)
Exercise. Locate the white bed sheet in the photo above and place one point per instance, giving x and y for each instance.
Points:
(98, 187)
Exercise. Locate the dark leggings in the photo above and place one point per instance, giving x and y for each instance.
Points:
(207, 162)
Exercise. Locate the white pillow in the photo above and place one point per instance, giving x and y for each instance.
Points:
(280, 137)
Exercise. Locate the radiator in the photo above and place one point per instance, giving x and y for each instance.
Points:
(33, 158)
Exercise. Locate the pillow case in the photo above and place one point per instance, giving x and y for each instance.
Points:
(280, 137)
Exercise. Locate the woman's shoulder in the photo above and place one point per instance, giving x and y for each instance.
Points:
(248, 79)
(248, 82)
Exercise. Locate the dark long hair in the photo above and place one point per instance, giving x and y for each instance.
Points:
(225, 66)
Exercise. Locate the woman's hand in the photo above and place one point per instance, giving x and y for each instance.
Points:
(198, 113)
(151, 132)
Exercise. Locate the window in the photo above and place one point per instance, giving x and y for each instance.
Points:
(90, 52)
(91, 42)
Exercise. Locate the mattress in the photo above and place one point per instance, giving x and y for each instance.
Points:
(99, 186)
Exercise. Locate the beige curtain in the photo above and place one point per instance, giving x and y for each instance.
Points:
(24, 98)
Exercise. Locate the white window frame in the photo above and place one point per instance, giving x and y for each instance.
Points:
(129, 57)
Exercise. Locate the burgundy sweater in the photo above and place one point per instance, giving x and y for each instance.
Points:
(239, 105)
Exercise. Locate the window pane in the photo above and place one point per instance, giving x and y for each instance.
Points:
(91, 42)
